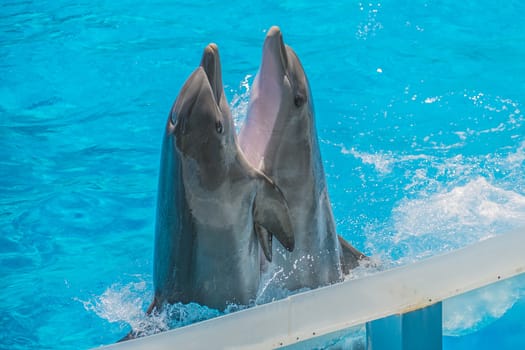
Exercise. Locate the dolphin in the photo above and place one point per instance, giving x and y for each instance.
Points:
(279, 137)
(215, 212)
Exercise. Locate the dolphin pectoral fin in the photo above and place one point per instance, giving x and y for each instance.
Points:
(350, 256)
(270, 211)
(265, 239)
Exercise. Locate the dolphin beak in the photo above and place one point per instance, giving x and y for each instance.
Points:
(202, 91)
(211, 65)
(274, 52)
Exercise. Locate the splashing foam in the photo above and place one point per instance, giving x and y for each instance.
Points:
(450, 220)
(119, 303)
(382, 162)
(465, 214)
(452, 203)
(125, 305)
(516, 159)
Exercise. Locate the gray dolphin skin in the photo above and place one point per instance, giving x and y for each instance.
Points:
(279, 137)
(215, 212)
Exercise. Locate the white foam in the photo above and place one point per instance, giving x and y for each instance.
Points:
(450, 203)
(125, 305)
(477, 209)
(382, 162)
(515, 159)
(432, 224)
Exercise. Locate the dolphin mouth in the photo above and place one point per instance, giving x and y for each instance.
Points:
(275, 49)
(211, 65)
(274, 63)
(207, 76)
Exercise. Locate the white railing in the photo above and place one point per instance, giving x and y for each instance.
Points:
(355, 302)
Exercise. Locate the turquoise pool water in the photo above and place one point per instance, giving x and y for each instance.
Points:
(419, 112)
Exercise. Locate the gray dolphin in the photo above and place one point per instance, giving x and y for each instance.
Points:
(279, 137)
(215, 212)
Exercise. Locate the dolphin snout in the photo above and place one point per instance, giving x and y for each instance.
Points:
(212, 67)
(274, 48)
(274, 31)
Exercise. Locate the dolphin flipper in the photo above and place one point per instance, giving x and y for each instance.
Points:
(265, 239)
(350, 257)
(271, 217)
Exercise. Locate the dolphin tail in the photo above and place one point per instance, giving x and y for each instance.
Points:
(271, 217)
(350, 257)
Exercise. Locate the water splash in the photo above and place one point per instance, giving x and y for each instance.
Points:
(125, 305)
(240, 101)
(433, 224)
(449, 201)
(371, 24)
(464, 214)
(272, 281)
(268, 291)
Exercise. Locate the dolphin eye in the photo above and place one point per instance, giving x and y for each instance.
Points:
(218, 127)
(299, 100)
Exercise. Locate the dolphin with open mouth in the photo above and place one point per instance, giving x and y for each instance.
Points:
(279, 137)
(216, 214)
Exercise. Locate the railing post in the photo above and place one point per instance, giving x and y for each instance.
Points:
(415, 330)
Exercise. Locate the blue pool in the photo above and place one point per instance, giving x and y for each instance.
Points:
(420, 114)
